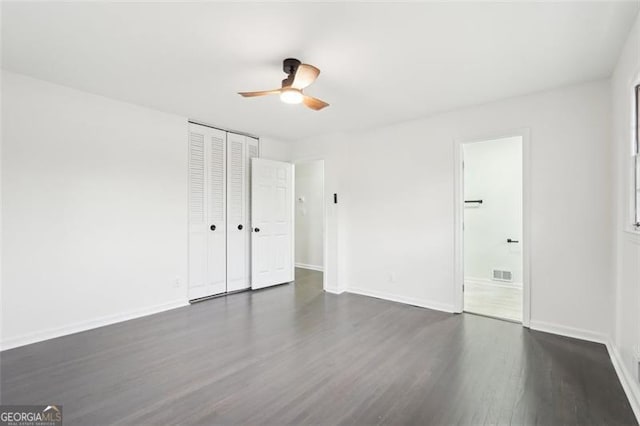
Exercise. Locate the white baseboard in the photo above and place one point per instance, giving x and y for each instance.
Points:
(334, 291)
(402, 299)
(52, 333)
(562, 330)
(307, 266)
(629, 383)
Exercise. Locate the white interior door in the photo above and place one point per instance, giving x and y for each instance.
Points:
(207, 213)
(237, 223)
(272, 238)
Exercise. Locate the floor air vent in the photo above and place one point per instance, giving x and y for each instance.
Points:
(501, 275)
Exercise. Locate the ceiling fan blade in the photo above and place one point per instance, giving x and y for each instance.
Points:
(262, 93)
(314, 103)
(305, 75)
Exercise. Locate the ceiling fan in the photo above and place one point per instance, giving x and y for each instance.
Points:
(299, 76)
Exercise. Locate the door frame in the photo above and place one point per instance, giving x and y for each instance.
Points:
(525, 134)
(325, 203)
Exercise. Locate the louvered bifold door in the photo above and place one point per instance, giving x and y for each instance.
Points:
(252, 152)
(237, 225)
(207, 214)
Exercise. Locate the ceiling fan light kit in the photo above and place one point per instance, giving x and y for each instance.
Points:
(299, 76)
(291, 96)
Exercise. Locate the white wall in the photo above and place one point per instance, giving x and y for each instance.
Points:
(274, 149)
(493, 174)
(309, 202)
(395, 227)
(626, 334)
(94, 218)
(88, 182)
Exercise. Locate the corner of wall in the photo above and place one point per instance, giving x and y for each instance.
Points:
(629, 384)
(625, 332)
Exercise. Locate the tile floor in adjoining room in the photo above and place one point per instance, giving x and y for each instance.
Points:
(498, 301)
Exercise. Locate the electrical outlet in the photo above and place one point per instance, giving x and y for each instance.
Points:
(177, 283)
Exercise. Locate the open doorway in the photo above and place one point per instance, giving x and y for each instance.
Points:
(309, 224)
(493, 269)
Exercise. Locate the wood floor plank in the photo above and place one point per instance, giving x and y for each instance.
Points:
(296, 355)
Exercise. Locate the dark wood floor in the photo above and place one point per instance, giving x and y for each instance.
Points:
(295, 355)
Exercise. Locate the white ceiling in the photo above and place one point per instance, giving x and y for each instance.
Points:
(381, 62)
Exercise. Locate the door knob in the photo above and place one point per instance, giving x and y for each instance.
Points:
(213, 227)
(510, 241)
(240, 227)
(256, 229)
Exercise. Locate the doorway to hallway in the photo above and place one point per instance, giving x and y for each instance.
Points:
(493, 228)
(309, 217)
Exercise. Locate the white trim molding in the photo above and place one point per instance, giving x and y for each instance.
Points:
(78, 327)
(629, 384)
(458, 190)
(562, 330)
(333, 291)
(311, 267)
(422, 303)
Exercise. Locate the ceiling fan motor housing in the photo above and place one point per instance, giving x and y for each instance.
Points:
(290, 66)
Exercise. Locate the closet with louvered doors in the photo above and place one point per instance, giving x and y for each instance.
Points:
(240, 150)
(219, 209)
